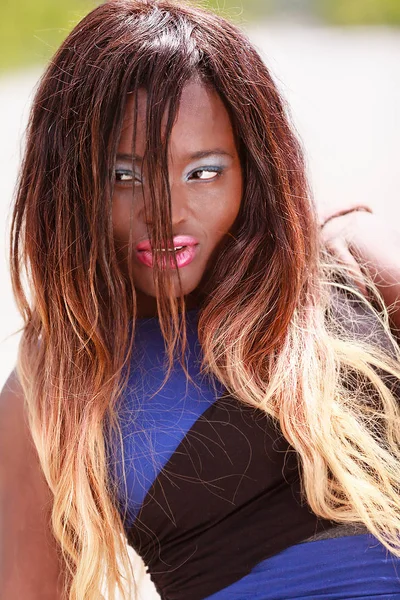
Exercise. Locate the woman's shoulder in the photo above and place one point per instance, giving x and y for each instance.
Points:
(354, 318)
(25, 508)
(358, 317)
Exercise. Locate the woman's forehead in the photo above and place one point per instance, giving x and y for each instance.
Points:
(201, 120)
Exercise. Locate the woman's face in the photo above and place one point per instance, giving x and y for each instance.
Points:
(205, 179)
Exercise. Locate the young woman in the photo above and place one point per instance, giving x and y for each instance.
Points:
(195, 375)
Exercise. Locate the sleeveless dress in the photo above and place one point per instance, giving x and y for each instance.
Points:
(214, 505)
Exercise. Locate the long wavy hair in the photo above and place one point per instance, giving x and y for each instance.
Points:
(266, 322)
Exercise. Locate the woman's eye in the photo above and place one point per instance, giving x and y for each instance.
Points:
(205, 174)
(126, 176)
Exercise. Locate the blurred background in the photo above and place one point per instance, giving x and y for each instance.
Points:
(337, 62)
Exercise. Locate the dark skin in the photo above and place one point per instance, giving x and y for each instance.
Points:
(206, 192)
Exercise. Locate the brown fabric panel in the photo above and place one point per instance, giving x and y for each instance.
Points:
(228, 498)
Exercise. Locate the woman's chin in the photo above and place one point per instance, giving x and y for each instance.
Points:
(185, 286)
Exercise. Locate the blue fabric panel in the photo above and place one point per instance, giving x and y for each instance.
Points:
(345, 568)
(153, 427)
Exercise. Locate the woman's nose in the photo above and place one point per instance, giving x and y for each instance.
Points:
(179, 206)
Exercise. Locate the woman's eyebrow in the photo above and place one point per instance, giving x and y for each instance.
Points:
(205, 153)
(194, 156)
(129, 157)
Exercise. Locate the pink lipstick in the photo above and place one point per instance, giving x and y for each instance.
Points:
(184, 249)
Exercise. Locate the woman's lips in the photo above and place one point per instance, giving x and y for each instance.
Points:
(185, 251)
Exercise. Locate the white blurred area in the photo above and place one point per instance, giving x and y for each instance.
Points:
(343, 87)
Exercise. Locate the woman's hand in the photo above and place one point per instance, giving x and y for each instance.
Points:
(366, 243)
(339, 237)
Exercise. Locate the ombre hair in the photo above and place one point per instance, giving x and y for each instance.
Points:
(267, 324)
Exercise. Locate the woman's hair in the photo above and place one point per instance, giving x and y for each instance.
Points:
(267, 325)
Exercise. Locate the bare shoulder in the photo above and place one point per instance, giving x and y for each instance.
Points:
(12, 419)
(15, 439)
(18, 456)
(30, 565)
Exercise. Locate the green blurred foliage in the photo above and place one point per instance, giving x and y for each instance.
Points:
(337, 12)
(31, 30)
(240, 11)
(359, 12)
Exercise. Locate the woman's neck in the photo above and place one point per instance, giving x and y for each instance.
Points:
(147, 305)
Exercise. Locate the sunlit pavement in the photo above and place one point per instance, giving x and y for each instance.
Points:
(343, 87)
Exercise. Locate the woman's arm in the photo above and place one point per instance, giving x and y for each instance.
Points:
(361, 238)
(30, 564)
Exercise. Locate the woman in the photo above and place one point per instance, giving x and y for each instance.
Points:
(198, 378)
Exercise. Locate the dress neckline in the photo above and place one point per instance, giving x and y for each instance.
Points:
(193, 312)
